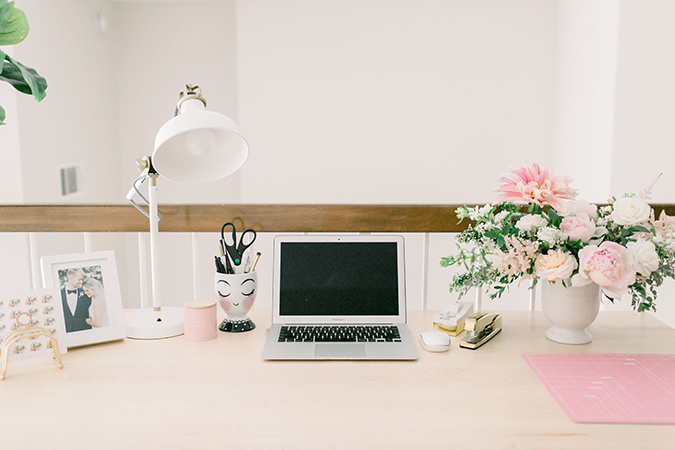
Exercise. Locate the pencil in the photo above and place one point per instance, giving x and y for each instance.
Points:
(255, 262)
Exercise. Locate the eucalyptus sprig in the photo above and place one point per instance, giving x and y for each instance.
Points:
(13, 30)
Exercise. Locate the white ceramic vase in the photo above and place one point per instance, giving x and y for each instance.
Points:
(570, 310)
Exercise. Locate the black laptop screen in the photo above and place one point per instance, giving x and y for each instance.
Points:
(338, 279)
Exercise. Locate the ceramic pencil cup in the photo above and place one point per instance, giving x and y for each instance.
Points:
(236, 294)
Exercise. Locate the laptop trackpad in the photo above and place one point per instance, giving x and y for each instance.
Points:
(340, 351)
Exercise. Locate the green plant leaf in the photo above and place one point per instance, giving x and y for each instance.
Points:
(5, 11)
(16, 28)
(554, 217)
(533, 208)
(2, 116)
(6, 8)
(24, 79)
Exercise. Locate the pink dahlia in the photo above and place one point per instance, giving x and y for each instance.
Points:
(536, 184)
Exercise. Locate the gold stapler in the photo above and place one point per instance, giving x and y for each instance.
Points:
(480, 328)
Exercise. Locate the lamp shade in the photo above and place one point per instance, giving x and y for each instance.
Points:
(198, 146)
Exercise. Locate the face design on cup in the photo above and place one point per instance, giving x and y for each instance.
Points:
(237, 293)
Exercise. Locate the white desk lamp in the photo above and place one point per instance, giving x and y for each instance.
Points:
(195, 146)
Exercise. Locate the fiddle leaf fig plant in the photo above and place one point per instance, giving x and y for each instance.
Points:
(13, 30)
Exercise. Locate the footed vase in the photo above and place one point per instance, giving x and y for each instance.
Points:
(570, 310)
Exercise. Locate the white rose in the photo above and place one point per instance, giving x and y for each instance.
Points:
(555, 265)
(530, 222)
(630, 210)
(643, 256)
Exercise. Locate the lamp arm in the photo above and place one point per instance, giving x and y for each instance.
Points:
(134, 191)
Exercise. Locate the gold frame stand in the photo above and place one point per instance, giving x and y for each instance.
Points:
(26, 331)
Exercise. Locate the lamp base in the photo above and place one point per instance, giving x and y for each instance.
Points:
(147, 323)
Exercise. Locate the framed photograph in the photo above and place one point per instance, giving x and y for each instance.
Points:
(89, 292)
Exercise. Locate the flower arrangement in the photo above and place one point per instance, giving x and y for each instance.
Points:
(540, 231)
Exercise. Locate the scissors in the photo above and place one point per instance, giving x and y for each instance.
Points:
(236, 251)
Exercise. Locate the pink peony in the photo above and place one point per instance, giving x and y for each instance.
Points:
(578, 228)
(609, 266)
(582, 206)
(536, 184)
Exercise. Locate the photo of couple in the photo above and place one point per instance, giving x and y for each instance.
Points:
(83, 298)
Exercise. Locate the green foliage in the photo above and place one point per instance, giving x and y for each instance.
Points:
(554, 218)
(14, 29)
(24, 79)
(13, 24)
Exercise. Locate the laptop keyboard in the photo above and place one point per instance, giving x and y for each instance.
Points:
(339, 333)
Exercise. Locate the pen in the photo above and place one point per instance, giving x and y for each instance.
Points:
(255, 262)
(222, 252)
(247, 264)
(228, 265)
(219, 265)
(225, 261)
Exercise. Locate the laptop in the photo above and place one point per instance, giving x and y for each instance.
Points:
(339, 297)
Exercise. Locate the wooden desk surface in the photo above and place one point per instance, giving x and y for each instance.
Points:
(175, 394)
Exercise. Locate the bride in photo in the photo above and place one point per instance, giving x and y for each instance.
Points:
(94, 290)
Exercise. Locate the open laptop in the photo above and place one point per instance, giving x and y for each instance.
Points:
(339, 297)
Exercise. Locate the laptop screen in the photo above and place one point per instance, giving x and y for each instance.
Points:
(339, 279)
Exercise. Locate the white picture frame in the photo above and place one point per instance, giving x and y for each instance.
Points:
(93, 313)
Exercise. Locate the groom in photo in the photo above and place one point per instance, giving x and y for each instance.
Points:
(75, 302)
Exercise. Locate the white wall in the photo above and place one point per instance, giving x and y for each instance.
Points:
(392, 101)
(587, 44)
(77, 120)
(644, 135)
(160, 47)
(109, 91)
(11, 177)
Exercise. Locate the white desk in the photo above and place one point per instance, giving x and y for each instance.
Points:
(220, 394)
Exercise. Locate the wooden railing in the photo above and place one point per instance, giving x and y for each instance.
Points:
(209, 218)
(262, 218)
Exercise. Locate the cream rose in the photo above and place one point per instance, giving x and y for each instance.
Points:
(530, 222)
(630, 210)
(643, 256)
(555, 265)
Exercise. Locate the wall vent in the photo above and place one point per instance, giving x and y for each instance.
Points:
(71, 180)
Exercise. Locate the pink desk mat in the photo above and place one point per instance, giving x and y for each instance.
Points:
(610, 387)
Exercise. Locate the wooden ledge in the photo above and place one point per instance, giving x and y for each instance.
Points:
(277, 218)
(210, 218)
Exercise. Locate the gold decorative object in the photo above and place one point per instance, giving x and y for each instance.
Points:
(26, 331)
